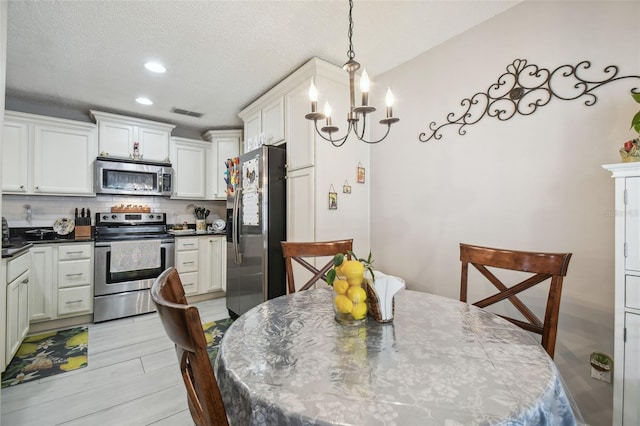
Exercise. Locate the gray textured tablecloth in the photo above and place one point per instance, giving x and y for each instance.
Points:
(441, 362)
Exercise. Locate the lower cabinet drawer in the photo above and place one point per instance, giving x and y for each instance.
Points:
(189, 282)
(18, 265)
(187, 261)
(74, 273)
(74, 300)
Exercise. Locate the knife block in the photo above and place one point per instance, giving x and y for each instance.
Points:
(83, 232)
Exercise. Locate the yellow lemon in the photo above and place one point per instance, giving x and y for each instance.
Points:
(356, 294)
(352, 268)
(39, 337)
(26, 349)
(359, 311)
(354, 271)
(78, 339)
(73, 363)
(343, 304)
(340, 286)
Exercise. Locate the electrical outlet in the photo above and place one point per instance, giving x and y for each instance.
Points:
(601, 367)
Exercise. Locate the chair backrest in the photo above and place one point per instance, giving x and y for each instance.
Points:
(298, 251)
(543, 266)
(182, 324)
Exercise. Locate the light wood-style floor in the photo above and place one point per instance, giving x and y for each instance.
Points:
(132, 378)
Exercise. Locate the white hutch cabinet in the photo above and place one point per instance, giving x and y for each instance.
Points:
(626, 382)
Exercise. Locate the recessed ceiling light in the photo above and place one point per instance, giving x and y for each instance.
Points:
(144, 101)
(155, 67)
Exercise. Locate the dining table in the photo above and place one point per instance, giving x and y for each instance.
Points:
(439, 362)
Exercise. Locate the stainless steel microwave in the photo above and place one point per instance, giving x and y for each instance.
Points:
(132, 177)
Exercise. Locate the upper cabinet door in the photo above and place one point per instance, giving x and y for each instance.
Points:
(63, 160)
(15, 156)
(188, 160)
(300, 144)
(225, 145)
(632, 223)
(273, 121)
(116, 139)
(252, 129)
(154, 143)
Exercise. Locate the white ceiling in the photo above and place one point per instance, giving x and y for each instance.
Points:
(219, 55)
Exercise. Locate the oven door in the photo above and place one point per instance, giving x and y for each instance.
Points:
(107, 282)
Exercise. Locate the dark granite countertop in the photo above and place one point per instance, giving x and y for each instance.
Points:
(15, 249)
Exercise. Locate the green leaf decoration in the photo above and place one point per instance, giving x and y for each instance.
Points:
(635, 121)
(636, 96)
(331, 276)
(338, 259)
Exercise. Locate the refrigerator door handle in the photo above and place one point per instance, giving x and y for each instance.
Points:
(235, 228)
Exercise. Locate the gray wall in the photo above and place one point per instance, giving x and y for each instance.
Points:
(531, 183)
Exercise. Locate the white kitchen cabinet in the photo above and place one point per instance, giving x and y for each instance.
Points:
(225, 145)
(74, 279)
(300, 144)
(59, 155)
(626, 373)
(264, 119)
(117, 134)
(189, 159)
(42, 294)
(212, 253)
(301, 208)
(17, 309)
(186, 262)
(15, 156)
(201, 262)
(63, 160)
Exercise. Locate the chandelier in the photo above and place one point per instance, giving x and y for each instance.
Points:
(353, 116)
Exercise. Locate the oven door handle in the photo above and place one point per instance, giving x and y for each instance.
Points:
(236, 226)
(108, 243)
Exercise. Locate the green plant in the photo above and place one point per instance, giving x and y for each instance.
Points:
(635, 121)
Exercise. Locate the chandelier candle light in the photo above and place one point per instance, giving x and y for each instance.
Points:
(351, 66)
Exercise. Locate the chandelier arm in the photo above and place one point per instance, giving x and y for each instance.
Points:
(360, 135)
(335, 142)
(379, 140)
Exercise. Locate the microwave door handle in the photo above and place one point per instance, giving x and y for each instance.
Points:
(236, 225)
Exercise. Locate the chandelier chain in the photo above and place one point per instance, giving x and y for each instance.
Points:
(351, 54)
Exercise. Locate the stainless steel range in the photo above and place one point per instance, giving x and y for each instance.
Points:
(131, 250)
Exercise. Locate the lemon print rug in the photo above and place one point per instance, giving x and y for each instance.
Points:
(48, 354)
(213, 332)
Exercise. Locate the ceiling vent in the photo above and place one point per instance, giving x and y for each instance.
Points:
(187, 113)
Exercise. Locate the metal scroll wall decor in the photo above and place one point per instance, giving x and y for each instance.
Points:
(521, 90)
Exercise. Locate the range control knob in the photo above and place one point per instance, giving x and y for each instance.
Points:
(159, 217)
(114, 216)
(150, 216)
(105, 217)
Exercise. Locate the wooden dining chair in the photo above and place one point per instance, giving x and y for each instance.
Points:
(182, 324)
(543, 266)
(301, 251)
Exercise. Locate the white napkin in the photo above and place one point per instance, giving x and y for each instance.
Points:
(385, 287)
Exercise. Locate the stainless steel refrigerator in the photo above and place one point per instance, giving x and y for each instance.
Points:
(256, 224)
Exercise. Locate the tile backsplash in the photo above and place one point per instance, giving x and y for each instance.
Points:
(45, 209)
